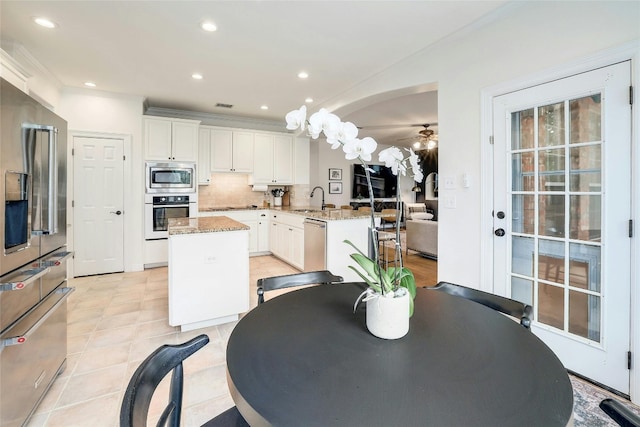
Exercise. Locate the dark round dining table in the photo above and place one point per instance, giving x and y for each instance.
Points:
(305, 358)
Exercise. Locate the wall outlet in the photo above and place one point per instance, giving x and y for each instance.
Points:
(449, 201)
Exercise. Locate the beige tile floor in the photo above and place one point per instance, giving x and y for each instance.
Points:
(117, 320)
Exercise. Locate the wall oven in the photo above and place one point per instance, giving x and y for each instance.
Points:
(171, 177)
(159, 208)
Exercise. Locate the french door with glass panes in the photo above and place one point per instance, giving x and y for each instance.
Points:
(562, 191)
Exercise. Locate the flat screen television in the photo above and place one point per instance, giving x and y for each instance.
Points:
(383, 182)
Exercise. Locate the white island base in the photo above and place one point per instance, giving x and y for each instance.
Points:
(208, 272)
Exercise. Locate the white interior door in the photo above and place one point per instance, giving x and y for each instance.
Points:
(98, 205)
(562, 157)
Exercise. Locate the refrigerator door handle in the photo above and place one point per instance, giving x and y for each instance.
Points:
(52, 216)
(48, 216)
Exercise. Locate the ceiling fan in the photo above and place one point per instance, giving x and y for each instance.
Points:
(426, 139)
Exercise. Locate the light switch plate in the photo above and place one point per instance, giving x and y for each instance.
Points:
(449, 182)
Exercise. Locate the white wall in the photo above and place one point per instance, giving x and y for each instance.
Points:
(94, 112)
(519, 40)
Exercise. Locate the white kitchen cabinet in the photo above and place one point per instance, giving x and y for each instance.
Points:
(257, 220)
(208, 278)
(263, 231)
(231, 151)
(170, 139)
(287, 238)
(204, 152)
(273, 159)
(301, 149)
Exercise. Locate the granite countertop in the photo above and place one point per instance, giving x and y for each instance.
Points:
(214, 224)
(308, 212)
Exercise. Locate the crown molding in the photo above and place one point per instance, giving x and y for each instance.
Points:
(6, 60)
(212, 119)
(27, 61)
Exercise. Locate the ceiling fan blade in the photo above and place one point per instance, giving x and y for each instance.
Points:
(390, 126)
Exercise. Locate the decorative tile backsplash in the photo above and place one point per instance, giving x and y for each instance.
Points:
(233, 189)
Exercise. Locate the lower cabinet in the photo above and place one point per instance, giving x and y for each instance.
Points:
(287, 238)
(258, 227)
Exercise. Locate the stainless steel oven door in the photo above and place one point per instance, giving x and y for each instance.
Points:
(157, 218)
(170, 178)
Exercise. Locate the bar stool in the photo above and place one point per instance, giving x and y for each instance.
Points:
(383, 249)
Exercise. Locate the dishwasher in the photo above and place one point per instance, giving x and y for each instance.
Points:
(315, 245)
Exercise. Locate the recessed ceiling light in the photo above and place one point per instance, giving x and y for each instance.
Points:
(303, 74)
(308, 100)
(196, 76)
(264, 107)
(208, 26)
(44, 22)
(90, 84)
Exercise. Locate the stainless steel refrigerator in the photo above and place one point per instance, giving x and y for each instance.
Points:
(33, 291)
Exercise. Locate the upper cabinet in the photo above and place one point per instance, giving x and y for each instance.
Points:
(170, 139)
(204, 151)
(231, 151)
(273, 159)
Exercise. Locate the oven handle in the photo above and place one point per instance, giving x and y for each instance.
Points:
(21, 339)
(31, 276)
(155, 206)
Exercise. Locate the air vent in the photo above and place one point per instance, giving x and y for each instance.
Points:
(221, 105)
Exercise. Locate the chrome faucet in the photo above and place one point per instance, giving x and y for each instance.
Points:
(321, 189)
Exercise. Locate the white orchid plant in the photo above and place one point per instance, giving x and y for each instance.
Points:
(394, 281)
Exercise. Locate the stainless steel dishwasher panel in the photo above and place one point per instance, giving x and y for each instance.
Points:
(315, 245)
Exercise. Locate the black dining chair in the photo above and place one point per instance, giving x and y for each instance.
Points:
(145, 380)
(620, 413)
(299, 279)
(513, 308)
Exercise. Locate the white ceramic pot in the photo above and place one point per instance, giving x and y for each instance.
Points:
(277, 201)
(388, 318)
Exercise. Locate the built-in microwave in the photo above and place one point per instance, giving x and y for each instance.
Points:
(170, 177)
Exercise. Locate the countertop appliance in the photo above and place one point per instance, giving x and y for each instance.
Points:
(315, 245)
(159, 208)
(170, 177)
(33, 307)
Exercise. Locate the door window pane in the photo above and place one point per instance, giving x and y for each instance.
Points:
(522, 290)
(523, 211)
(551, 261)
(585, 217)
(551, 305)
(586, 119)
(586, 168)
(551, 170)
(523, 171)
(551, 125)
(584, 315)
(584, 266)
(522, 129)
(551, 215)
(522, 255)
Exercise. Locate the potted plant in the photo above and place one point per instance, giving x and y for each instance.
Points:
(391, 291)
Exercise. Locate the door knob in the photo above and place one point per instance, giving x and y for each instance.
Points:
(500, 215)
(499, 232)
(117, 212)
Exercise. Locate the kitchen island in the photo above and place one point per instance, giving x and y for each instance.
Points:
(280, 231)
(208, 271)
